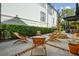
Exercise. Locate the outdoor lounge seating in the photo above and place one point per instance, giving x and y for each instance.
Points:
(74, 48)
(57, 35)
(76, 34)
(20, 37)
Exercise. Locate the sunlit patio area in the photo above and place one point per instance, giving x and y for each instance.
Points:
(53, 48)
(52, 31)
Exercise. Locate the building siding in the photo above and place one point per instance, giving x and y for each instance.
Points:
(29, 11)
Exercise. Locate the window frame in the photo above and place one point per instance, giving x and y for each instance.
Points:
(42, 16)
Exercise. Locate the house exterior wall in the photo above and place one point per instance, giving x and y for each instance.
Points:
(55, 16)
(28, 11)
(52, 18)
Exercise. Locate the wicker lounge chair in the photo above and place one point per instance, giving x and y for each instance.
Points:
(20, 37)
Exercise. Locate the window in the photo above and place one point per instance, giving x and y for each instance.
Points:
(42, 16)
(49, 9)
(43, 5)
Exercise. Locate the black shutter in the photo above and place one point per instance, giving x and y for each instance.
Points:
(77, 9)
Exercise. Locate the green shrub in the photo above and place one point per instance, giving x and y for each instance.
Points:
(25, 30)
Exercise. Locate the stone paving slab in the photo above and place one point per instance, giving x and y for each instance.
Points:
(60, 43)
(55, 51)
(51, 51)
(10, 49)
(38, 51)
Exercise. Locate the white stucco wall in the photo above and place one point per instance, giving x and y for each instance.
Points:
(25, 10)
(29, 11)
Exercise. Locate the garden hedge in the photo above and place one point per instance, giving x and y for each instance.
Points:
(25, 30)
